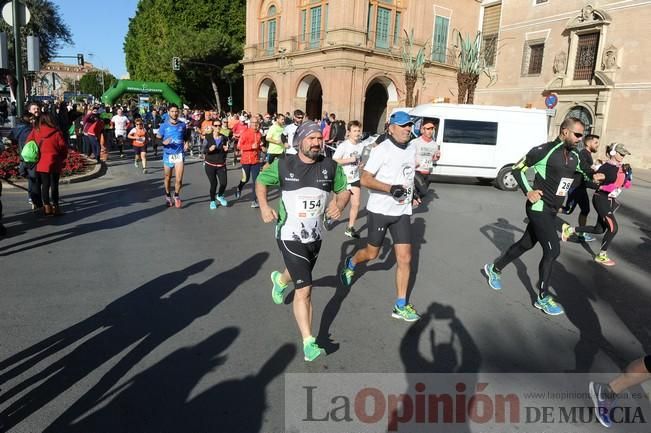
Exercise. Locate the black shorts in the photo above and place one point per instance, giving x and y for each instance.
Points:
(399, 226)
(300, 259)
(138, 150)
(357, 183)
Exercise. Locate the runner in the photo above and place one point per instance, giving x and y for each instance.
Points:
(604, 395)
(389, 175)
(349, 155)
(618, 176)
(427, 152)
(290, 130)
(274, 139)
(120, 123)
(554, 164)
(215, 163)
(139, 139)
(173, 134)
(250, 145)
(579, 194)
(305, 180)
(153, 123)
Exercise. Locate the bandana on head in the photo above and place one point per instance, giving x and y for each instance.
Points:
(305, 129)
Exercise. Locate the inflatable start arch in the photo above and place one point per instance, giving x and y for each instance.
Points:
(131, 86)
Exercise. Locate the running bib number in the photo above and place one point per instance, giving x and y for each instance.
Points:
(175, 158)
(308, 207)
(564, 186)
(405, 198)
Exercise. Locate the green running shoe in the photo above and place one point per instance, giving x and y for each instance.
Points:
(310, 350)
(566, 232)
(347, 274)
(548, 305)
(278, 289)
(407, 313)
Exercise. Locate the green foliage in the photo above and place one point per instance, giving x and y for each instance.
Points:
(413, 65)
(470, 59)
(210, 32)
(46, 23)
(92, 82)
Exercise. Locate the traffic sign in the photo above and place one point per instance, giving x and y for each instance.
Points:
(551, 100)
(23, 14)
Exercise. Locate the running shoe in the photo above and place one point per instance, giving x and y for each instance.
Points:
(351, 233)
(222, 201)
(548, 305)
(586, 237)
(238, 194)
(347, 274)
(213, 205)
(566, 232)
(494, 277)
(603, 399)
(310, 350)
(177, 201)
(603, 258)
(328, 223)
(406, 313)
(122, 155)
(254, 204)
(135, 164)
(168, 201)
(278, 288)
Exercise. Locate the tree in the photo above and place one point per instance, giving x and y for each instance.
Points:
(209, 33)
(92, 82)
(414, 66)
(471, 66)
(47, 24)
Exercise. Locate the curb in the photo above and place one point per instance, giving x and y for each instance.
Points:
(99, 169)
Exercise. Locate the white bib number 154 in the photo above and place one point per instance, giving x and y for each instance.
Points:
(309, 206)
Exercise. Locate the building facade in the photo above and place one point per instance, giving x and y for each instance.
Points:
(588, 55)
(345, 56)
(55, 78)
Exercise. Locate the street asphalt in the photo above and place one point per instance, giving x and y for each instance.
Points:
(125, 316)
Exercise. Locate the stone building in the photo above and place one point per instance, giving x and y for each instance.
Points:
(344, 56)
(590, 55)
(53, 78)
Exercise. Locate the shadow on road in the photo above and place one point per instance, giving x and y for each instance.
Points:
(144, 318)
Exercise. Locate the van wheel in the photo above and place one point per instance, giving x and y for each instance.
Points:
(505, 179)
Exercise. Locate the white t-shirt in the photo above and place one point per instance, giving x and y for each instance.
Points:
(424, 153)
(345, 150)
(290, 130)
(120, 124)
(395, 166)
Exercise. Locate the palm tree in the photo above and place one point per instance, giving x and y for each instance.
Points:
(414, 66)
(471, 66)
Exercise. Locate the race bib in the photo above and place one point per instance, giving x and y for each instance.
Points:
(615, 193)
(309, 206)
(426, 164)
(407, 198)
(175, 158)
(564, 186)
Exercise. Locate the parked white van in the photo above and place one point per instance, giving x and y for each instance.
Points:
(483, 141)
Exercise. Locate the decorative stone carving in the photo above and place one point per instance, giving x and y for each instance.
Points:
(560, 62)
(609, 59)
(587, 13)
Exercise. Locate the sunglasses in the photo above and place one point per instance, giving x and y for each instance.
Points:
(576, 134)
(216, 124)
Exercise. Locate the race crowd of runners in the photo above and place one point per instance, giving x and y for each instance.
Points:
(307, 160)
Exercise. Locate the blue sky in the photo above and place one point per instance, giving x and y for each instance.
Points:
(97, 27)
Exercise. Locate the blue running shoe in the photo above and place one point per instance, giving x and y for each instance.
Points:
(494, 278)
(586, 237)
(347, 274)
(222, 201)
(548, 305)
(603, 399)
(213, 205)
(238, 193)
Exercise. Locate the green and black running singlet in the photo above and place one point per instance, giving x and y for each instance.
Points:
(304, 194)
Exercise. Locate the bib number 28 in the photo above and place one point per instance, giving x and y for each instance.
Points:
(564, 186)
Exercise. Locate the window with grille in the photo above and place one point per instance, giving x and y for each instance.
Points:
(586, 56)
(490, 31)
(532, 57)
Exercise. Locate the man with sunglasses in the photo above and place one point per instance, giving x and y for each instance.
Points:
(555, 164)
(290, 130)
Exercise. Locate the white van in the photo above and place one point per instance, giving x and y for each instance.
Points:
(483, 141)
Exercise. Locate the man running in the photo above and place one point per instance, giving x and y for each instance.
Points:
(290, 130)
(349, 156)
(120, 123)
(173, 134)
(305, 180)
(389, 175)
(579, 194)
(554, 164)
(427, 152)
(250, 145)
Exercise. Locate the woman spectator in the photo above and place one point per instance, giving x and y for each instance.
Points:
(53, 152)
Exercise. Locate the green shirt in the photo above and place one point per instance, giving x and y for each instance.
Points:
(274, 133)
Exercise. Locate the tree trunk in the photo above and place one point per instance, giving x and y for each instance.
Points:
(216, 92)
(472, 85)
(410, 84)
(462, 88)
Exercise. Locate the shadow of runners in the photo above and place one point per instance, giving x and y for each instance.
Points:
(144, 317)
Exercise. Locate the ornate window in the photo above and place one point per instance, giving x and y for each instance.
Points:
(313, 22)
(586, 56)
(588, 34)
(269, 30)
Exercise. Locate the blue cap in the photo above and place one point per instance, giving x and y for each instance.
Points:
(400, 118)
